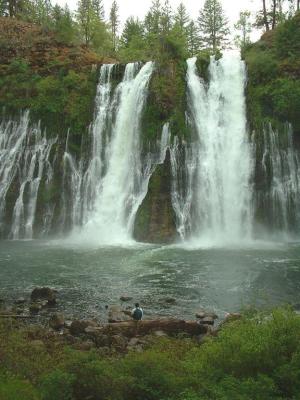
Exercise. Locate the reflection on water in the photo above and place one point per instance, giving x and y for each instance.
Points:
(218, 279)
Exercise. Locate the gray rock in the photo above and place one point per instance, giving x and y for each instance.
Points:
(207, 321)
(102, 340)
(125, 298)
(204, 314)
(44, 293)
(170, 300)
(77, 327)
(57, 321)
(35, 308)
(116, 314)
(119, 342)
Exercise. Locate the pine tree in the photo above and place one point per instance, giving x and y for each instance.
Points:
(245, 27)
(166, 18)
(99, 9)
(85, 15)
(213, 25)
(153, 17)
(182, 18)
(133, 29)
(114, 23)
(193, 39)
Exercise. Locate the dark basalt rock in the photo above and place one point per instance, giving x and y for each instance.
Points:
(57, 321)
(44, 293)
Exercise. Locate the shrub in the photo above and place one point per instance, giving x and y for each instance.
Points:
(57, 385)
(12, 388)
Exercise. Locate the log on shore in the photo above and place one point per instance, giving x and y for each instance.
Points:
(15, 316)
(141, 328)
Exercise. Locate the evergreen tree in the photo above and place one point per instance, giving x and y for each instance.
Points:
(99, 9)
(85, 17)
(114, 23)
(193, 38)
(182, 18)
(63, 24)
(133, 29)
(166, 18)
(153, 17)
(213, 25)
(245, 27)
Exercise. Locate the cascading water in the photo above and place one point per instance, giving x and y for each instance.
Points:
(183, 173)
(24, 155)
(277, 181)
(99, 132)
(222, 209)
(123, 185)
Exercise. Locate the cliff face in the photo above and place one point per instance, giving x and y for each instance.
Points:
(155, 220)
(57, 83)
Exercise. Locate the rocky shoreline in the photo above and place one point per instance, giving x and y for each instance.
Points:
(119, 333)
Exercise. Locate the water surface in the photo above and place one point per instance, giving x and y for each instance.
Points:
(218, 279)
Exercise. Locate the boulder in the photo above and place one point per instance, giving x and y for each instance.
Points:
(44, 293)
(57, 321)
(170, 300)
(125, 298)
(116, 314)
(119, 342)
(77, 327)
(35, 308)
(207, 321)
(202, 314)
(101, 340)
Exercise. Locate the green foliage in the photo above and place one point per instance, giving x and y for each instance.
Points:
(64, 26)
(262, 65)
(273, 71)
(61, 101)
(287, 38)
(213, 25)
(12, 388)
(202, 63)
(257, 357)
(57, 385)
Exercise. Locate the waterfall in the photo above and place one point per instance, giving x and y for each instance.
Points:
(183, 173)
(222, 209)
(277, 180)
(124, 178)
(99, 133)
(24, 155)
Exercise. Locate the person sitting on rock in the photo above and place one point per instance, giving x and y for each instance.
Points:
(137, 313)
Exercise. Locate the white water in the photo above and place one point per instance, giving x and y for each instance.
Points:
(124, 183)
(183, 173)
(278, 181)
(24, 155)
(212, 194)
(222, 189)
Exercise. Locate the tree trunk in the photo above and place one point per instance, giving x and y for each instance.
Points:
(298, 5)
(265, 16)
(274, 15)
